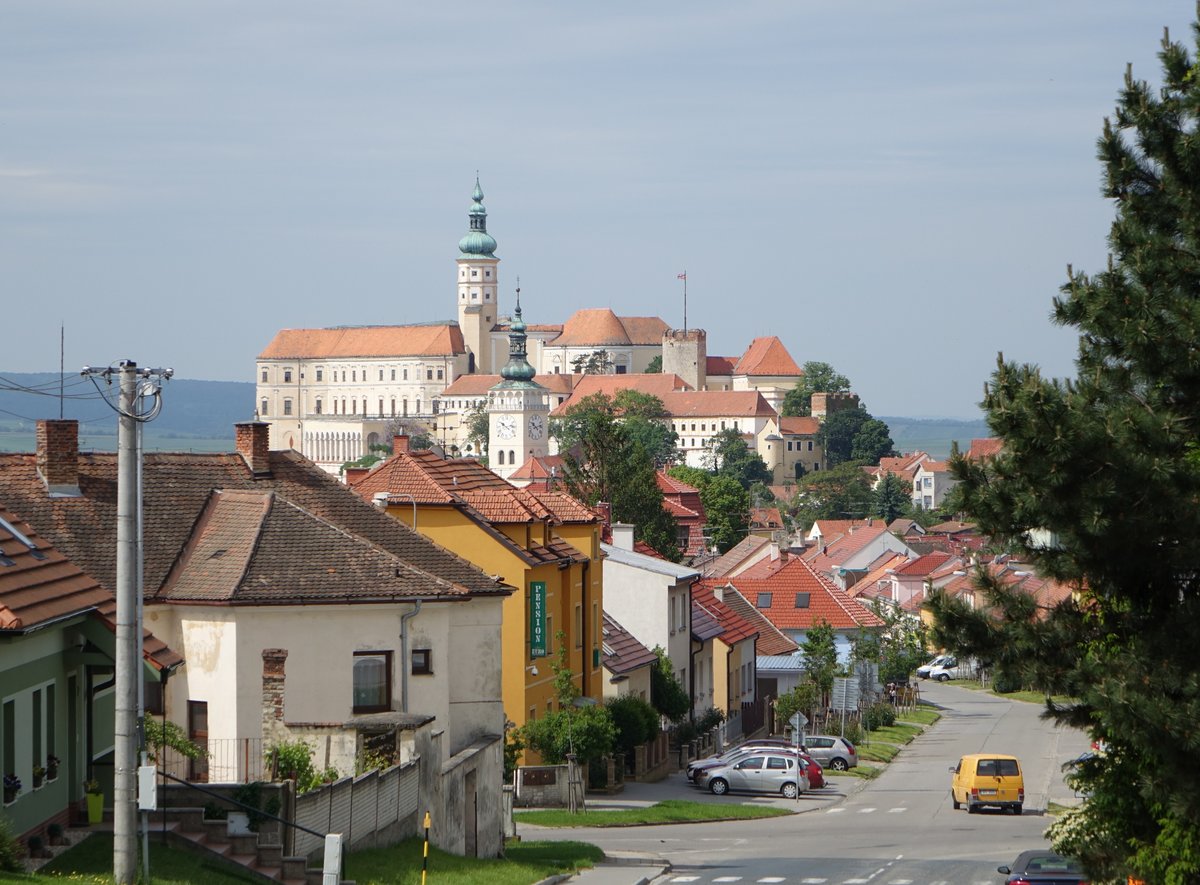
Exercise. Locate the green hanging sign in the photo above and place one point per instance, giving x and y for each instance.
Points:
(537, 619)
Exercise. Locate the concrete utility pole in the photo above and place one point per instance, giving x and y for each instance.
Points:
(128, 735)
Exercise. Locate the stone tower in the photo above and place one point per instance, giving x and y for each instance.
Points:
(685, 353)
(518, 413)
(477, 279)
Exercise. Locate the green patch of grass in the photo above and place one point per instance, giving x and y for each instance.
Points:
(862, 772)
(900, 733)
(669, 811)
(522, 864)
(91, 861)
(921, 715)
(1054, 809)
(877, 752)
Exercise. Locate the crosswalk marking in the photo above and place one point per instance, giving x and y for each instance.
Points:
(770, 879)
(896, 810)
(837, 810)
(728, 879)
(686, 879)
(813, 881)
(863, 811)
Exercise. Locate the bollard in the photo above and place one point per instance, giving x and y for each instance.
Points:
(425, 854)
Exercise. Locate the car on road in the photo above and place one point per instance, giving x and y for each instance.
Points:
(923, 670)
(736, 750)
(983, 779)
(760, 773)
(831, 751)
(697, 770)
(1043, 867)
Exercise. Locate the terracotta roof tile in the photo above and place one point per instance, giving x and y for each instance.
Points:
(770, 640)
(720, 365)
(766, 356)
(622, 652)
(988, 447)
(343, 342)
(600, 326)
(717, 403)
(736, 555)
(765, 518)
(479, 385)
(923, 565)
(777, 598)
(835, 551)
(655, 384)
(734, 628)
(669, 485)
(799, 426)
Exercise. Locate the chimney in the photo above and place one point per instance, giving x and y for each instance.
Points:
(58, 457)
(719, 592)
(272, 693)
(253, 444)
(622, 535)
(354, 474)
(400, 443)
(774, 552)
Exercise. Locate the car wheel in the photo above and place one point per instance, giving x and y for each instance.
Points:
(718, 786)
(954, 801)
(838, 764)
(789, 791)
(1015, 809)
(971, 809)
(943, 677)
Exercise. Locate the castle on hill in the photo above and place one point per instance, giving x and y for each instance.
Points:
(335, 393)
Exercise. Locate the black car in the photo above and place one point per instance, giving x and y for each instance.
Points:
(1043, 868)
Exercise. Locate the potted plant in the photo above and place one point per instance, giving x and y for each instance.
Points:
(95, 801)
(39, 774)
(36, 846)
(55, 834)
(12, 786)
(52, 763)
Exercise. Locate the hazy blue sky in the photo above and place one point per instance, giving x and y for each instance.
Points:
(894, 188)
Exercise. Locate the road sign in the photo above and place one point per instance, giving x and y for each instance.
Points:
(845, 695)
(797, 722)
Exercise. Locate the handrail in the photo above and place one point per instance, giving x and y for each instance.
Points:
(251, 808)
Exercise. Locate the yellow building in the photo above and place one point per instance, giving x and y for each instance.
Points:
(546, 544)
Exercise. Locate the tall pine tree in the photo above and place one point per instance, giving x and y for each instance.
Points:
(1098, 483)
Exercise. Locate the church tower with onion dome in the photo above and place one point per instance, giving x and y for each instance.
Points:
(477, 286)
(518, 409)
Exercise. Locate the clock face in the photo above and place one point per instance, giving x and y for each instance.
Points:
(535, 427)
(506, 427)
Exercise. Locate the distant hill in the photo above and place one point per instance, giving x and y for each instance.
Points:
(207, 410)
(191, 409)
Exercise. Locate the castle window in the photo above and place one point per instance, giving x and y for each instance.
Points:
(439, 374)
(354, 375)
(393, 407)
(488, 274)
(287, 376)
(287, 407)
(406, 374)
(381, 374)
(810, 444)
(500, 456)
(320, 374)
(354, 406)
(317, 406)
(474, 273)
(722, 425)
(264, 376)
(404, 405)
(512, 459)
(393, 374)
(381, 407)
(263, 411)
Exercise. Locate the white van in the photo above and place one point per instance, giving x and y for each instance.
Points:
(952, 668)
(923, 670)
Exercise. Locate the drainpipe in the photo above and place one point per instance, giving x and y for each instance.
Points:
(404, 619)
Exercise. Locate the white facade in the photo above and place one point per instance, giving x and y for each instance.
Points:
(518, 427)
(931, 483)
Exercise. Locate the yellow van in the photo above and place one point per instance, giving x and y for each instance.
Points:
(988, 779)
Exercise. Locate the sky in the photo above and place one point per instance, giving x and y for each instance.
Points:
(892, 188)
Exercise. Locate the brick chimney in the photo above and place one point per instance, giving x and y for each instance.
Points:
(253, 444)
(273, 726)
(400, 443)
(58, 457)
(354, 474)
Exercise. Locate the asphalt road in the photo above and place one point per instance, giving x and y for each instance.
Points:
(898, 829)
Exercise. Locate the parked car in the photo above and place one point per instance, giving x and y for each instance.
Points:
(952, 668)
(982, 779)
(1043, 868)
(831, 751)
(736, 749)
(760, 773)
(923, 670)
(697, 770)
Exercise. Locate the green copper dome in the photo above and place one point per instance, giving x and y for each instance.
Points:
(517, 369)
(477, 241)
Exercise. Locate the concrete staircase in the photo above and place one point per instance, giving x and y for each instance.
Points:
(260, 854)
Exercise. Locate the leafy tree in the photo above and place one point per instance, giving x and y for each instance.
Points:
(1097, 485)
(872, 442)
(598, 362)
(891, 498)
(838, 432)
(818, 378)
(804, 697)
(646, 421)
(587, 731)
(819, 653)
(604, 460)
(730, 455)
(478, 428)
(667, 696)
(841, 493)
(899, 648)
(726, 510)
(696, 477)
(655, 366)
(636, 721)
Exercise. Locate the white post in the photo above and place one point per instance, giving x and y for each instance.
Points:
(331, 872)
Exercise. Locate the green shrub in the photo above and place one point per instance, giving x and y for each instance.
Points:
(292, 760)
(636, 722)
(879, 715)
(853, 732)
(1005, 683)
(10, 850)
(213, 811)
(709, 719)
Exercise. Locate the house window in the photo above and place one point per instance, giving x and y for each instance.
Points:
(393, 374)
(320, 374)
(682, 535)
(372, 681)
(406, 374)
(763, 600)
(579, 626)
(789, 445)
(810, 445)
(264, 376)
(422, 662)
(802, 600)
(621, 370)
(262, 412)
(927, 482)
(287, 376)
(287, 407)
(317, 406)
(429, 374)
(439, 374)
(595, 624)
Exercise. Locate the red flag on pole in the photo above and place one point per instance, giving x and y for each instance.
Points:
(681, 276)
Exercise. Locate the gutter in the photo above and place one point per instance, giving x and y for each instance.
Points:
(404, 654)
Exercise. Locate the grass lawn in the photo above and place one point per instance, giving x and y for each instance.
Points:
(922, 715)
(877, 751)
(90, 862)
(670, 811)
(863, 772)
(900, 733)
(1029, 697)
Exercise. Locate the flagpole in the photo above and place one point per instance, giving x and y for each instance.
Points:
(683, 276)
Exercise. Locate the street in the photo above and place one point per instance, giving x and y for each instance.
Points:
(898, 829)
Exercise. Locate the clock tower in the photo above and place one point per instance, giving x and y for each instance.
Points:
(518, 412)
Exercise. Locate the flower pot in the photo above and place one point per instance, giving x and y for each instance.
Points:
(10, 796)
(37, 780)
(95, 807)
(51, 772)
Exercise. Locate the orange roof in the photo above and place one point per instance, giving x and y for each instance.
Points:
(599, 326)
(868, 585)
(797, 598)
(668, 484)
(767, 356)
(543, 467)
(734, 628)
(836, 551)
(923, 566)
(719, 365)
(805, 426)
(765, 518)
(345, 342)
(934, 466)
(655, 384)
(479, 385)
(988, 447)
(717, 403)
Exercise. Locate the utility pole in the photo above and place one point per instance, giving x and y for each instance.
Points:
(128, 734)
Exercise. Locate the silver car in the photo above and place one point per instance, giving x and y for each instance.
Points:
(760, 773)
(831, 751)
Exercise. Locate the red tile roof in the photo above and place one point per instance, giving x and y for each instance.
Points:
(799, 426)
(767, 356)
(988, 447)
(600, 326)
(717, 403)
(720, 365)
(770, 640)
(745, 549)
(655, 384)
(923, 566)
(902, 465)
(734, 628)
(765, 518)
(833, 552)
(622, 652)
(825, 602)
(479, 385)
(669, 485)
(434, 339)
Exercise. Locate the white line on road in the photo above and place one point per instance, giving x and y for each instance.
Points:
(900, 882)
(772, 879)
(838, 810)
(865, 810)
(686, 879)
(896, 810)
(728, 879)
(813, 881)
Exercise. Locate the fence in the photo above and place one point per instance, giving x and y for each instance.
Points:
(373, 809)
(754, 716)
(229, 761)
